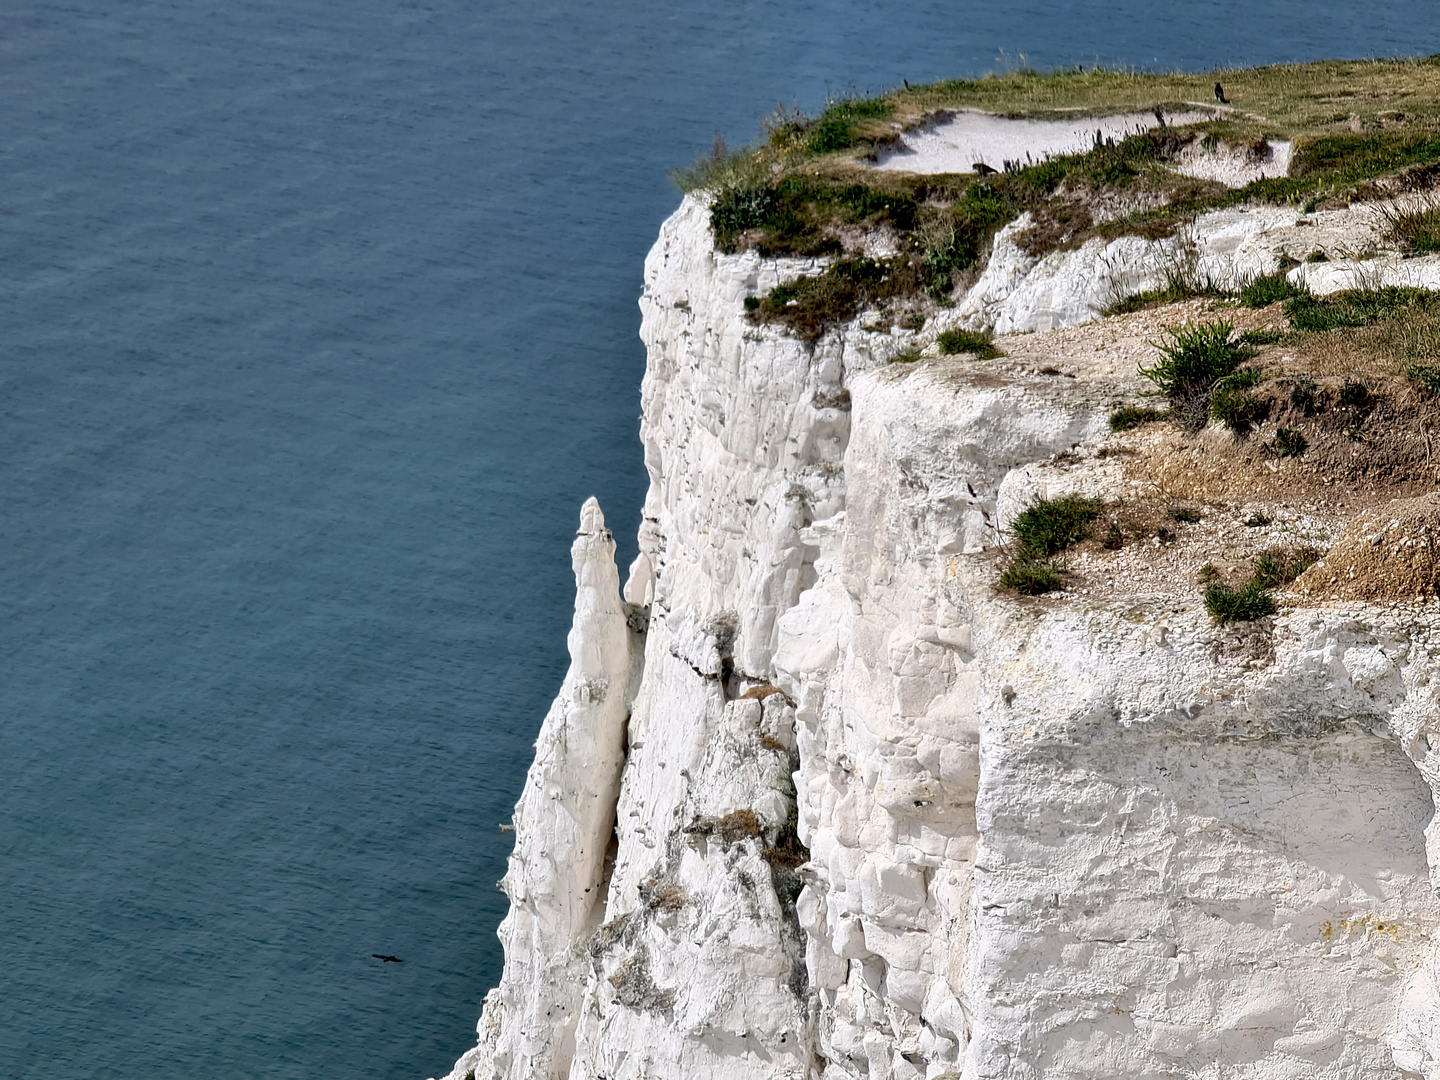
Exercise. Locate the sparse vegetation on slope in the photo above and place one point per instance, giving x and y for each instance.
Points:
(805, 188)
(1043, 530)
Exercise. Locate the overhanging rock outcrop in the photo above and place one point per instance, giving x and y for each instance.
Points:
(869, 817)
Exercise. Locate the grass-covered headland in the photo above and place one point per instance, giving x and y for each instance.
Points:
(1360, 130)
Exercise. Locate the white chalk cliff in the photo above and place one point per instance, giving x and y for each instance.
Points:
(1086, 839)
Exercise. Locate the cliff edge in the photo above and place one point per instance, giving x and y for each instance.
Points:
(826, 791)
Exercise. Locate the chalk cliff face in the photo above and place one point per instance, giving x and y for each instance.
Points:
(815, 798)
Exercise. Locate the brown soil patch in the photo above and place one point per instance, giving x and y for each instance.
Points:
(1366, 438)
(1387, 553)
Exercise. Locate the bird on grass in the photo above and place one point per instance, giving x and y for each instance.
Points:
(1160, 116)
(982, 169)
(1220, 94)
(387, 959)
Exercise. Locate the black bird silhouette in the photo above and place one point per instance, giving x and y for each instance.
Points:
(387, 959)
(1160, 116)
(982, 169)
(1220, 94)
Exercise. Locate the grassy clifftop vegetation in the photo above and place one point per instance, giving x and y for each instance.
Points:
(1361, 129)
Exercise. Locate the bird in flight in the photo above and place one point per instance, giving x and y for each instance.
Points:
(1220, 94)
(387, 959)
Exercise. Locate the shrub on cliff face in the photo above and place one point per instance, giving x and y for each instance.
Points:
(1049, 526)
(1244, 604)
(811, 305)
(1273, 568)
(1030, 578)
(1193, 361)
(1132, 416)
(1195, 357)
(1042, 530)
(956, 341)
(1232, 403)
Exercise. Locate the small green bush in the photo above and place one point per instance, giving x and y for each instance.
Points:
(1237, 409)
(1275, 568)
(1267, 290)
(811, 305)
(752, 303)
(834, 129)
(968, 341)
(1233, 405)
(1030, 578)
(905, 356)
(1195, 358)
(1253, 600)
(1049, 526)
(1289, 442)
(1247, 603)
(1132, 416)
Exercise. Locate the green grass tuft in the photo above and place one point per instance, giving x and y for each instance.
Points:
(1263, 336)
(1235, 407)
(1195, 358)
(1276, 568)
(1030, 578)
(1132, 416)
(1245, 604)
(1289, 442)
(1192, 363)
(968, 341)
(1267, 290)
(1413, 231)
(1355, 307)
(836, 127)
(1049, 526)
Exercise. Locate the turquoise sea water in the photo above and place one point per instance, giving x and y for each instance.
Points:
(317, 324)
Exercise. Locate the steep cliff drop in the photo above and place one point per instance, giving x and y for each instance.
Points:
(869, 815)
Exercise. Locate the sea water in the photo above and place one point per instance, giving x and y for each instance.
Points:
(317, 324)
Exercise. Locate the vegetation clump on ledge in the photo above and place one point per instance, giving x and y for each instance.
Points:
(1253, 600)
(1043, 530)
(1360, 130)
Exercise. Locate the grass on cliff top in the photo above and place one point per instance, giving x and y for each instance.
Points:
(805, 187)
(1291, 99)
(1324, 97)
